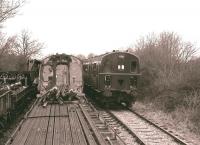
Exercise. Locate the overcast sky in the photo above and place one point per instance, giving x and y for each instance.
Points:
(97, 26)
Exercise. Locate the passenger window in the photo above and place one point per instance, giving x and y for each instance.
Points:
(107, 80)
(120, 67)
(133, 66)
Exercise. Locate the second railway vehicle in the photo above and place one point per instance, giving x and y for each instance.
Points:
(112, 77)
(61, 70)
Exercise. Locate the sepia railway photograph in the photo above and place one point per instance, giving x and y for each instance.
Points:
(99, 72)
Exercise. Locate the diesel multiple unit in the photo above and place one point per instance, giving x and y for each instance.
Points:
(112, 77)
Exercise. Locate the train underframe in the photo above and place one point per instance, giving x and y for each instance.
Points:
(112, 97)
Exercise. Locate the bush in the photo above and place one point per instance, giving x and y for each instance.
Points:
(170, 76)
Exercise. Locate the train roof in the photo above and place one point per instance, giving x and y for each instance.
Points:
(58, 55)
(99, 58)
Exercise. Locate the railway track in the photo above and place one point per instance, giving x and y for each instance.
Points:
(134, 129)
(100, 126)
(146, 131)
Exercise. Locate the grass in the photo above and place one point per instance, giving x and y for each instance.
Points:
(178, 121)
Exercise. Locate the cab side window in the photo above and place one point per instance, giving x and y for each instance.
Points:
(133, 66)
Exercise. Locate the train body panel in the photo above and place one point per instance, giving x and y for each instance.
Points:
(113, 75)
(60, 70)
(76, 75)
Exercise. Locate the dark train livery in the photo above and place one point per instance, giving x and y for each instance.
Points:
(112, 77)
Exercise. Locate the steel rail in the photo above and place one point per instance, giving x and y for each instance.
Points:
(99, 138)
(127, 128)
(158, 127)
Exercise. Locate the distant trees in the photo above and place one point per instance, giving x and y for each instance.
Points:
(8, 9)
(18, 49)
(6, 45)
(165, 63)
(26, 46)
(90, 55)
(170, 77)
(81, 56)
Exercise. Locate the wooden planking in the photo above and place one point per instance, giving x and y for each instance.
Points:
(34, 111)
(56, 136)
(45, 111)
(40, 137)
(80, 132)
(66, 130)
(52, 113)
(86, 129)
(62, 125)
(57, 110)
(73, 126)
(63, 110)
(49, 136)
(62, 131)
(67, 127)
(77, 132)
(50, 131)
(24, 131)
(33, 132)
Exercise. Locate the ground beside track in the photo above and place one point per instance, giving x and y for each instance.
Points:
(167, 121)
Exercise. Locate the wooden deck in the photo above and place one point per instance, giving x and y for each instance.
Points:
(54, 125)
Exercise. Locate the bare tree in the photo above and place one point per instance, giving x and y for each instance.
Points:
(164, 60)
(81, 56)
(90, 55)
(9, 8)
(6, 45)
(26, 46)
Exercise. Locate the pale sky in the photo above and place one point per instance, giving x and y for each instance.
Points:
(97, 26)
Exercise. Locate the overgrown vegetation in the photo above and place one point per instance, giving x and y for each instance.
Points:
(15, 50)
(170, 76)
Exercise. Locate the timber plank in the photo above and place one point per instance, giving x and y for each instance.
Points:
(63, 110)
(62, 130)
(86, 129)
(56, 132)
(81, 136)
(31, 136)
(52, 113)
(34, 111)
(77, 132)
(73, 126)
(49, 136)
(45, 111)
(57, 110)
(40, 137)
(24, 131)
(50, 128)
(67, 127)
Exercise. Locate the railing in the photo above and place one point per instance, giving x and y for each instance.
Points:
(5, 102)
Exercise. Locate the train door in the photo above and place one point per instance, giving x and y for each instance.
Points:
(62, 75)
